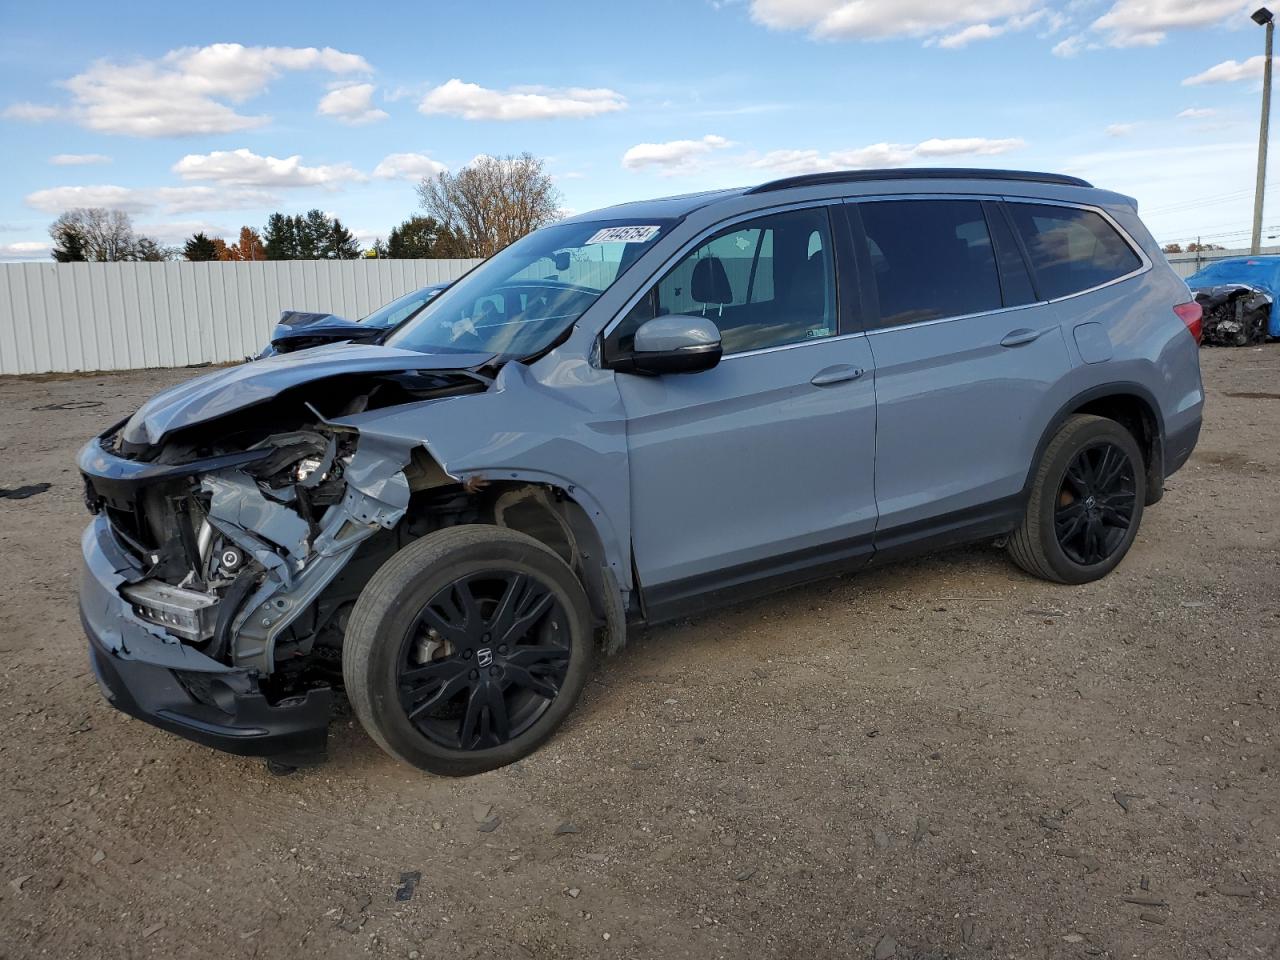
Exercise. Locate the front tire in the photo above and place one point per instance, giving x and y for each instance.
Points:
(1086, 503)
(467, 649)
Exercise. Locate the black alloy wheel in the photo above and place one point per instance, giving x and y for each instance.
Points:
(1096, 503)
(468, 648)
(1085, 498)
(484, 659)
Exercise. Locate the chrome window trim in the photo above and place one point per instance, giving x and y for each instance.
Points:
(807, 342)
(710, 231)
(953, 319)
(1145, 263)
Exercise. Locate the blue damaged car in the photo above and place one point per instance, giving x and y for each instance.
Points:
(630, 416)
(1238, 298)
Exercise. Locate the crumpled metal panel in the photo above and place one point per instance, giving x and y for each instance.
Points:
(235, 388)
(566, 428)
(237, 500)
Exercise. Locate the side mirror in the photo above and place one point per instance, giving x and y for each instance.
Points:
(675, 343)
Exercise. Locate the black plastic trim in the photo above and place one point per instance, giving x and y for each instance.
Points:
(682, 598)
(916, 173)
(693, 595)
(294, 731)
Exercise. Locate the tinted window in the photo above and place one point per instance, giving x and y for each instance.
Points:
(930, 259)
(765, 283)
(1015, 282)
(1071, 249)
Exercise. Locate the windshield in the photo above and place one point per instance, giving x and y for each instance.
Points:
(519, 301)
(401, 308)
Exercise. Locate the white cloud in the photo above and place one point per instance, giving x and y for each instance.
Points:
(978, 31)
(25, 250)
(408, 166)
(987, 31)
(971, 146)
(148, 199)
(475, 102)
(187, 91)
(245, 168)
(1069, 47)
(672, 157)
(1229, 71)
(879, 19)
(1137, 23)
(78, 159)
(882, 155)
(1121, 129)
(31, 112)
(351, 103)
(1197, 113)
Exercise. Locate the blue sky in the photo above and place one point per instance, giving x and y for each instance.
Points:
(212, 116)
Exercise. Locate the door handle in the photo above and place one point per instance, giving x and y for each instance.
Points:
(842, 373)
(1016, 338)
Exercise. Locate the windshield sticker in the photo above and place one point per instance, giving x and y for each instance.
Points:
(624, 235)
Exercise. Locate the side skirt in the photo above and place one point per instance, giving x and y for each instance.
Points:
(696, 595)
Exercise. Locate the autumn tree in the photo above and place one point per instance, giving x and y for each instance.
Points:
(199, 248)
(492, 202)
(248, 247)
(1172, 248)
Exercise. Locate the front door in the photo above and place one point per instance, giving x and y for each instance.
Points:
(760, 469)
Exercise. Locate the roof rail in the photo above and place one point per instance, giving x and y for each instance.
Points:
(917, 173)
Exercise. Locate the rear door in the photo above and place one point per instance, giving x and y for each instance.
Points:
(964, 361)
(761, 468)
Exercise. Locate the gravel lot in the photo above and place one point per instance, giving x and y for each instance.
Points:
(944, 758)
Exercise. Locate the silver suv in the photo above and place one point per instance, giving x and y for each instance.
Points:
(634, 415)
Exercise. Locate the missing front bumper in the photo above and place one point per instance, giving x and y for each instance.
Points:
(175, 687)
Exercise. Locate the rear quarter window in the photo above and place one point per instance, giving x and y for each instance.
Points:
(1071, 250)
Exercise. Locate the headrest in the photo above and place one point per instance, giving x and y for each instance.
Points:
(710, 282)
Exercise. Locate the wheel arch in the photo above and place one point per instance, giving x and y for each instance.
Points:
(559, 516)
(1131, 405)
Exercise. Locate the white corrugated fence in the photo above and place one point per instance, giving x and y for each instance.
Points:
(57, 317)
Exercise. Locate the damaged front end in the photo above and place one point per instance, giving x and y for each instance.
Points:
(226, 553)
(1235, 314)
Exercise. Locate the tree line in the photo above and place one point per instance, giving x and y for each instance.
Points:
(488, 204)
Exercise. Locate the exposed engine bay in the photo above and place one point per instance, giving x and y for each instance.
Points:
(255, 532)
(1235, 314)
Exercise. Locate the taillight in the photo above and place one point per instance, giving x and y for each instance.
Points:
(1192, 314)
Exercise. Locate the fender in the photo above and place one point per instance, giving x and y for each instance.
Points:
(1102, 391)
(568, 432)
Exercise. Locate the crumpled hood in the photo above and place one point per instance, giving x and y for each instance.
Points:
(225, 391)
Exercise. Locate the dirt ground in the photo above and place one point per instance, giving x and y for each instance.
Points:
(944, 758)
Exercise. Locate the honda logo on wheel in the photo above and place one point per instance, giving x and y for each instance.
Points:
(484, 656)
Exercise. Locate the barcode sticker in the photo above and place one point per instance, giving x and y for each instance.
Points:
(624, 235)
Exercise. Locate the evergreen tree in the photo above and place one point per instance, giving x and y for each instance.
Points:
(280, 238)
(69, 247)
(341, 244)
(200, 248)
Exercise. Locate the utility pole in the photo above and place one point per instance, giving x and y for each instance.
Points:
(1263, 18)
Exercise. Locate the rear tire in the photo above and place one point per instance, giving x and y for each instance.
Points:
(1086, 502)
(467, 649)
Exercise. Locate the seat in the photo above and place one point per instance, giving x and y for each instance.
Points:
(710, 284)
